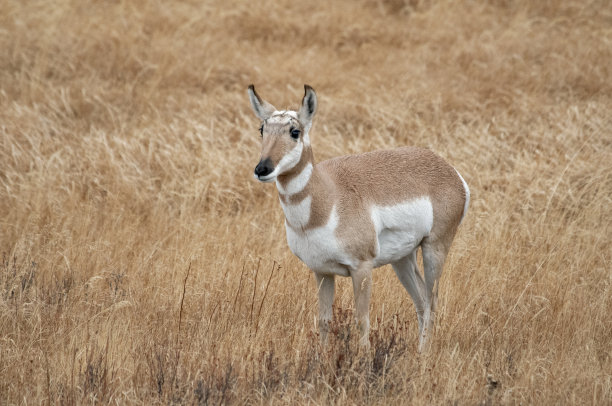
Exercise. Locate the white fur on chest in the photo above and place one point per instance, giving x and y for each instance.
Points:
(319, 248)
(298, 215)
(400, 228)
(298, 183)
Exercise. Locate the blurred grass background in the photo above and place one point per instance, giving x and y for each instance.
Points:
(143, 264)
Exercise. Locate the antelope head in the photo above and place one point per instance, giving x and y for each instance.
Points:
(284, 134)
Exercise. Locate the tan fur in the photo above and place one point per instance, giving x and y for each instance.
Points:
(352, 186)
(275, 141)
(390, 177)
(356, 182)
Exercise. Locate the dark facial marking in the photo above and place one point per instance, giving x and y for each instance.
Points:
(295, 133)
(264, 167)
(255, 93)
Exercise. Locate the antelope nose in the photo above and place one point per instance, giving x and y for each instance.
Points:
(264, 167)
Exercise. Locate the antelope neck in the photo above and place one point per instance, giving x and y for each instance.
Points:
(306, 195)
(296, 180)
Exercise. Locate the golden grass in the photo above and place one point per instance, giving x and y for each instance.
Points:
(142, 263)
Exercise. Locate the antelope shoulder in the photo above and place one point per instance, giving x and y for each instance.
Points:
(319, 247)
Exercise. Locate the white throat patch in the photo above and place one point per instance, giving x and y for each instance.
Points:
(297, 215)
(297, 184)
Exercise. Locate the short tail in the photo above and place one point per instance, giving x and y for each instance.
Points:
(467, 196)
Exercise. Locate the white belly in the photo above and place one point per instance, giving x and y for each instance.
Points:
(319, 248)
(400, 229)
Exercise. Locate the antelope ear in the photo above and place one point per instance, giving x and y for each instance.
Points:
(262, 108)
(309, 107)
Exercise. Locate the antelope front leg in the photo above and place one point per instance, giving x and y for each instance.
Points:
(362, 288)
(325, 287)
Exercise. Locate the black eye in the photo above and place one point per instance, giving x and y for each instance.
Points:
(295, 133)
(261, 130)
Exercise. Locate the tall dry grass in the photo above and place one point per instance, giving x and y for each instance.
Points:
(141, 263)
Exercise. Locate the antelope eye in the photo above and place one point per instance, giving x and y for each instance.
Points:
(295, 133)
(261, 130)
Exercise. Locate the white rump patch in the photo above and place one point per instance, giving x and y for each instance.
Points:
(400, 228)
(467, 196)
(298, 183)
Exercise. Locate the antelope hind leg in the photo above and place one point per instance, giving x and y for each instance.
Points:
(434, 255)
(408, 273)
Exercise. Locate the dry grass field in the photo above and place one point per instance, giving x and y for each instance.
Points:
(143, 264)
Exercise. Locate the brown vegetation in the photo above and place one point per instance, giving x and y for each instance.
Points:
(142, 263)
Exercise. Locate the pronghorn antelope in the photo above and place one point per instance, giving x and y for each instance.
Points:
(350, 214)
